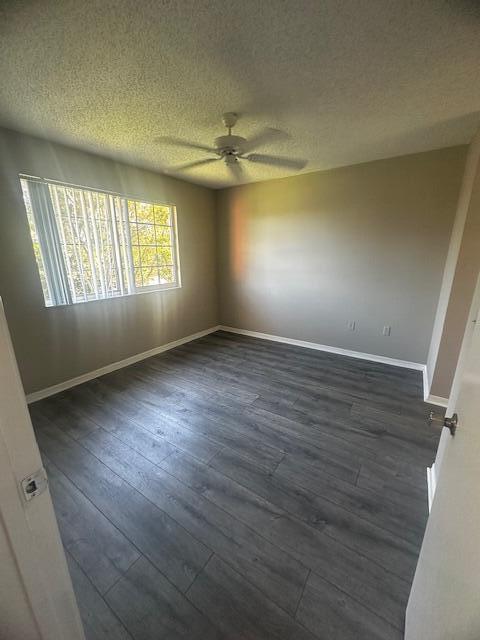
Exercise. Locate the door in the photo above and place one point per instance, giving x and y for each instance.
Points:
(36, 596)
(444, 602)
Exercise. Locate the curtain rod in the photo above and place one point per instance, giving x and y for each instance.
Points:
(71, 185)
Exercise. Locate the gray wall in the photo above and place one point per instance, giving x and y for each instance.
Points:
(55, 344)
(297, 257)
(300, 256)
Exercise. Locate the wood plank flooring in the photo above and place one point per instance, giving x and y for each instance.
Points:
(239, 489)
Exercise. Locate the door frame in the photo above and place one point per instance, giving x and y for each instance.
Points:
(433, 472)
(33, 539)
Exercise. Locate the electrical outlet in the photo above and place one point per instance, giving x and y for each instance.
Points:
(387, 330)
(351, 325)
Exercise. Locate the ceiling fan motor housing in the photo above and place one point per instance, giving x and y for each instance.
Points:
(229, 144)
(230, 158)
(230, 119)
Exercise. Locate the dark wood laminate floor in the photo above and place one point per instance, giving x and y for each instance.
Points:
(241, 489)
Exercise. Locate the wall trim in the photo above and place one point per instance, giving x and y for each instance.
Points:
(418, 366)
(90, 375)
(431, 485)
(438, 400)
(426, 383)
(120, 364)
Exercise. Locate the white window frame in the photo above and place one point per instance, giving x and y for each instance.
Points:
(54, 265)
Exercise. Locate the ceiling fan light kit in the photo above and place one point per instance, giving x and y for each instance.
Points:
(232, 149)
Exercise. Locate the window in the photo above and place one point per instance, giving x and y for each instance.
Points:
(92, 245)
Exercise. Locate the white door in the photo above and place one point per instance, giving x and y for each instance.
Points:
(36, 596)
(444, 602)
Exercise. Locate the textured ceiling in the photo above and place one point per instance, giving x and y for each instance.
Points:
(348, 80)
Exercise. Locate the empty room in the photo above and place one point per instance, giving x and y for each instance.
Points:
(239, 348)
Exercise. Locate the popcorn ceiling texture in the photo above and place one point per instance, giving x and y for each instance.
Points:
(349, 80)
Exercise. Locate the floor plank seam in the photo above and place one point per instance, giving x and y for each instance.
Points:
(98, 509)
(246, 488)
(217, 453)
(362, 604)
(140, 552)
(306, 523)
(303, 591)
(342, 438)
(234, 517)
(274, 470)
(206, 442)
(103, 596)
(358, 475)
(121, 577)
(356, 515)
(200, 571)
(147, 498)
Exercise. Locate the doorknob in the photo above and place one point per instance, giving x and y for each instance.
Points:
(450, 423)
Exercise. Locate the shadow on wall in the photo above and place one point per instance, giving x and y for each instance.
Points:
(305, 257)
(238, 239)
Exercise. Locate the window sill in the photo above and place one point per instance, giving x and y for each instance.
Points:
(112, 298)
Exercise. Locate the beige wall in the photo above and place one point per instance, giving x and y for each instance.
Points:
(301, 256)
(55, 344)
(463, 207)
(297, 257)
(463, 275)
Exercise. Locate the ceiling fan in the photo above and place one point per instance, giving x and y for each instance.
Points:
(233, 150)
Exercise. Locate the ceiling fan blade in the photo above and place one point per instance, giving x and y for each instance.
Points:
(236, 170)
(288, 163)
(191, 165)
(178, 142)
(264, 137)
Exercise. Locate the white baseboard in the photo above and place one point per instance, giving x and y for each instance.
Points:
(431, 485)
(322, 347)
(418, 366)
(73, 382)
(426, 383)
(438, 400)
(90, 375)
